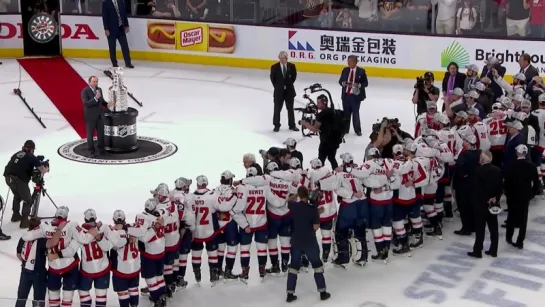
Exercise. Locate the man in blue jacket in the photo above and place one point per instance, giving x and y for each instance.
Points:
(514, 139)
(353, 81)
(33, 269)
(116, 25)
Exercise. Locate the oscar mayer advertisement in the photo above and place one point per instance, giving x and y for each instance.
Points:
(198, 37)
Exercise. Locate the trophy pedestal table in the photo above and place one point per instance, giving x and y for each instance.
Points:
(120, 131)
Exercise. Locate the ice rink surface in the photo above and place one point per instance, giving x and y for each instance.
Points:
(214, 116)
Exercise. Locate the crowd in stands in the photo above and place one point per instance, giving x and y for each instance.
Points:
(484, 18)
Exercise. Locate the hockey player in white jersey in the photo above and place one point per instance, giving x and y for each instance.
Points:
(150, 231)
(63, 242)
(406, 204)
(497, 132)
(444, 159)
(427, 120)
(253, 201)
(95, 265)
(479, 129)
(228, 234)
(125, 259)
(353, 210)
(169, 212)
(180, 196)
(540, 114)
(278, 214)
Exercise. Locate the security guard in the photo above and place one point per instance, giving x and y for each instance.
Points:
(306, 221)
(18, 173)
(33, 268)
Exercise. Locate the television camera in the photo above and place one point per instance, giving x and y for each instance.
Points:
(37, 178)
(309, 112)
(390, 122)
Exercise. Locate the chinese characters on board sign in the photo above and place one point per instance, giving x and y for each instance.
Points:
(367, 49)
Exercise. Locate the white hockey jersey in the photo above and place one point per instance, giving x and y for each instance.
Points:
(328, 199)
(281, 185)
(151, 239)
(531, 138)
(497, 130)
(172, 225)
(346, 184)
(540, 114)
(72, 235)
(481, 134)
(253, 202)
(405, 185)
(94, 256)
(452, 139)
(425, 121)
(420, 169)
(185, 213)
(124, 256)
(227, 198)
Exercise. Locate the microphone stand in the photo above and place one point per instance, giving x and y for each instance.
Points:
(109, 75)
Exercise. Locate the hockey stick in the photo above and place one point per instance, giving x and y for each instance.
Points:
(4, 204)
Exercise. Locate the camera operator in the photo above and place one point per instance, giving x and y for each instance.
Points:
(18, 173)
(330, 138)
(291, 144)
(424, 91)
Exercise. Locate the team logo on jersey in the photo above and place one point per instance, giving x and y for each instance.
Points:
(151, 149)
(42, 28)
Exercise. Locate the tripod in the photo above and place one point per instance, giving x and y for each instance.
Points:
(39, 191)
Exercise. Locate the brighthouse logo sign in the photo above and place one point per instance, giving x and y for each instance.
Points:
(456, 53)
(299, 49)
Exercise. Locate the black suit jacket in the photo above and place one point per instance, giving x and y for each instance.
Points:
(488, 184)
(530, 73)
(92, 107)
(459, 81)
(283, 87)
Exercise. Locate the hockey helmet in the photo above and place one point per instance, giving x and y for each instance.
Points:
(442, 118)
(251, 172)
(431, 140)
(541, 98)
(290, 142)
(202, 180)
(62, 213)
(151, 204)
(295, 163)
(397, 149)
(272, 166)
(90, 215)
(161, 187)
(497, 106)
(119, 215)
(411, 147)
(495, 209)
(316, 163)
(522, 149)
(521, 116)
(471, 139)
(227, 175)
(183, 183)
(373, 153)
(347, 158)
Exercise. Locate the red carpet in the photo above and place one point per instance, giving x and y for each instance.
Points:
(62, 85)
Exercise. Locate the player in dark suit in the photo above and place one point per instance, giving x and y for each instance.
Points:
(351, 102)
(93, 101)
(116, 25)
(283, 75)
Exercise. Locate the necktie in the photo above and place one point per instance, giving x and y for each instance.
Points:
(116, 6)
(350, 80)
(284, 71)
(450, 85)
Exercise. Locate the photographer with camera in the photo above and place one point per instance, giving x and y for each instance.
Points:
(385, 135)
(331, 133)
(18, 173)
(424, 91)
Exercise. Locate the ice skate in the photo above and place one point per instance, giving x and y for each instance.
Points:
(338, 264)
(402, 250)
(198, 276)
(381, 256)
(144, 291)
(228, 276)
(436, 233)
(285, 267)
(245, 275)
(262, 272)
(214, 277)
(274, 270)
(417, 242)
(180, 283)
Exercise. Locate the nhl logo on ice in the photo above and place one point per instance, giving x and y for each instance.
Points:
(150, 149)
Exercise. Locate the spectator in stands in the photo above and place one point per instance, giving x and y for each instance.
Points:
(344, 19)
(471, 77)
(367, 13)
(537, 22)
(94, 7)
(72, 6)
(518, 16)
(490, 14)
(4, 6)
(453, 79)
(493, 63)
(419, 15)
(144, 7)
(466, 18)
(165, 8)
(391, 11)
(196, 9)
(311, 12)
(446, 16)
(326, 17)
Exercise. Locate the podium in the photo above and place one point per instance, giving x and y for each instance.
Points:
(120, 131)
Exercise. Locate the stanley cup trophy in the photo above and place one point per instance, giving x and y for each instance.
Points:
(118, 92)
(120, 121)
